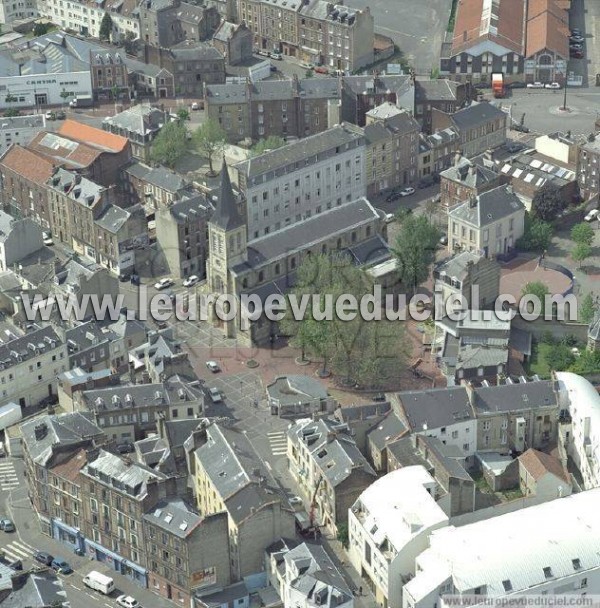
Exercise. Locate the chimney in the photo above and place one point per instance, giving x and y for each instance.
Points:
(457, 157)
(472, 201)
(471, 170)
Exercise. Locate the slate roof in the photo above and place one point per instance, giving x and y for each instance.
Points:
(403, 450)
(475, 115)
(488, 207)
(177, 431)
(458, 265)
(360, 84)
(79, 189)
(113, 218)
(440, 89)
(30, 345)
(434, 408)
(288, 390)
(514, 397)
(41, 589)
(226, 215)
(141, 119)
(193, 50)
(388, 430)
(174, 516)
(191, 208)
(469, 173)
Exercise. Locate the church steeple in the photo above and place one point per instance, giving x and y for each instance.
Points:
(226, 215)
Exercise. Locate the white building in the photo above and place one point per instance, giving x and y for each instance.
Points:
(20, 129)
(18, 239)
(302, 179)
(29, 366)
(582, 437)
(13, 10)
(389, 526)
(546, 549)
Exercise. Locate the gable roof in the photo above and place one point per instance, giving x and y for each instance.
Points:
(547, 28)
(28, 164)
(538, 464)
(92, 136)
(488, 207)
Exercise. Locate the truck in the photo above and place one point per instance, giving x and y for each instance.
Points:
(99, 582)
(10, 414)
(498, 85)
(82, 101)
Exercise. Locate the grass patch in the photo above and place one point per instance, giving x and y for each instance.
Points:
(450, 27)
(538, 363)
(481, 484)
(510, 495)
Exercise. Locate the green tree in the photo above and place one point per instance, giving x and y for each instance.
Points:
(581, 253)
(40, 29)
(582, 233)
(64, 95)
(271, 143)
(183, 114)
(415, 249)
(308, 74)
(170, 144)
(587, 309)
(587, 363)
(11, 112)
(537, 289)
(342, 534)
(560, 358)
(106, 27)
(536, 236)
(210, 140)
(547, 202)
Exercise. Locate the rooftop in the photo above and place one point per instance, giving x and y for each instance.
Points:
(435, 408)
(477, 114)
(514, 397)
(538, 464)
(95, 137)
(174, 516)
(488, 207)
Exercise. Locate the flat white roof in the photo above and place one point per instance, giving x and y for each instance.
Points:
(527, 547)
(399, 507)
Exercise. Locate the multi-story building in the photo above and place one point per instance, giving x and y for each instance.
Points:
(140, 125)
(110, 76)
(181, 232)
(329, 468)
(562, 560)
(153, 187)
(187, 553)
(234, 41)
(285, 108)
(20, 130)
(389, 526)
(480, 127)
(490, 223)
(231, 477)
(444, 94)
(437, 151)
(466, 178)
(588, 167)
(18, 239)
(29, 365)
(392, 152)
(280, 192)
(16, 11)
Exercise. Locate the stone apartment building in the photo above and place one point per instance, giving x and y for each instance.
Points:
(437, 151)
(153, 187)
(16, 11)
(229, 476)
(181, 232)
(234, 42)
(480, 127)
(490, 223)
(588, 167)
(392, 137)
(20, 130)
(110, 76)
(18, 239)
(285, 108)
(443, 94)
(329, 468)
(279, 192)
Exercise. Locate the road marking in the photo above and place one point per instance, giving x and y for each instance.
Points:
(19, 551)
(276, 434)
(75, 587)
(10, 555)
(268, 465)
(23, 546)
(109, 606)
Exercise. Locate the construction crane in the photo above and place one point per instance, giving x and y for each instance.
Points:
(313, 503)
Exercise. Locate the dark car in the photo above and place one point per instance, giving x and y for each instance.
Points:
(124, 277)
(520, 128)
(43, 557)
(61, 566)
(47, 401)
(135, 279)
(125, 448)
(517, 85)
(379, 397)
(426, 181)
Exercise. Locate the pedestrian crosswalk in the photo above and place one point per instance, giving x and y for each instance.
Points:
(278, 442)
(8, 475)
(18, 550)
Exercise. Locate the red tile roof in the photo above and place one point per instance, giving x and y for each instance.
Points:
(92, 136)
(63, 150)
(547, 28)
(538, 464)
(27, 163)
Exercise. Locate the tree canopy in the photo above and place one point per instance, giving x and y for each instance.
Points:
(587, 309)
(537, 235)
(210, 140)
(547, 203)
(270, 143)
(170, 144)
(106, 27)
(582, 233)
(537, 289)
(581, 252)
(41, 29)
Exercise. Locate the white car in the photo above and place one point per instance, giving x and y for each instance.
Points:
(128, 602)
(215, 395)
(552, 85)
(47, 239)
(49, 115)
(535, 85)
(164, 283)
(407, 191)
(276, 55)
(195, 106)
(213, 366)
(191, 281)
(389, 217)
(592, 215)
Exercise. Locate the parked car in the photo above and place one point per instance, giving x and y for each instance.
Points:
(43, 557)
(321, 69)
(273, 68)
(135, 279)
(392, 196)
(443, 240)
(389, 218)
(379, 397)
(552, 85)
(191, 281)
(277, 56)
(592, 215)
(47, 239)
(46, 401)
(516, 85)
(296, 501)
(61, 566)
(213, 366)
(576, 32)
(576, 38)
(128, 602)
(426, 181)
(125, 448)
(576, 54)
(7, 525)
(407, 191)
(215, 395)
(573, 46)
(195, 106)
(535, 85)
(520, 128)
(164, 283)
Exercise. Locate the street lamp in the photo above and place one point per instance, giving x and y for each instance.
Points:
(564, 107)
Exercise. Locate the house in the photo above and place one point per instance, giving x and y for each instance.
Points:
(110, 76)
(361, 419)
(565, 559)
(20, 129)
(18, 239)
(229, 476)
(487, 37)
(389, 526)
(480, 127)
(328, 467)
(234, 42)
(464, 179)
(442, 93)
(304, 576)
(543, 475)
(297, 395)
(389, 430)
(468, 275)
(153, 187)
(77, 379)
(188, 553)
(437, 151)
(140, 125)
(490, 222)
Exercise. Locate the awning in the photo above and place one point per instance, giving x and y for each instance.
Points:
(63, 526)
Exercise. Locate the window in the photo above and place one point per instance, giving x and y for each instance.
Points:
(548, 572)
(454, 434)
(466, 447)
(507, 585)
(576, 564)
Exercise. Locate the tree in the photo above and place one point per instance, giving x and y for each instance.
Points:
(210, 140)
(40, 29)
(582, 233)
(183, 114)
(11, 112)
(342, 534)
(587, 309)
(537, 289)
(415, 249)
(581, 253)
(170, 144)
(560, 358)
(271, 143)
(106, 27)
(547, 202)
(537, 235)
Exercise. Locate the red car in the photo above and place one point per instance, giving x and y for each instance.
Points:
(321, 69)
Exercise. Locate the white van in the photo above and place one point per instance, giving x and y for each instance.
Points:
(99, 582)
